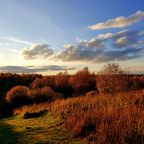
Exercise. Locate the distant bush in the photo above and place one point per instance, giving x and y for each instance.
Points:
(83, 81)
(18, 96)
(44, 94)
(112, 79)
(9, 80)
(62, 84)
(136, 82)
(43, 82)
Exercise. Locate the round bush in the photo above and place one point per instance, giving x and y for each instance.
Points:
(18, 96)
(44, 94)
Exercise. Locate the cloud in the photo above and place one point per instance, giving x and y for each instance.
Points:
(37, 51)
(119, 55)
(119, 46)
(34, 69)
(126, 38)
(119, 22)
(8, 40)
(99, 55)
(104, 36)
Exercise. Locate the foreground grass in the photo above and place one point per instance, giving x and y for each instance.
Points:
(42, 130)
(102, 119)
(105, 118)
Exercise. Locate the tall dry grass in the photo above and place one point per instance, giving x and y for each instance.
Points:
(102, 119)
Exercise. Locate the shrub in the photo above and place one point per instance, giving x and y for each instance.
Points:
(44, 94)
(112, 79)
(136, 82)
(83, 81)
(62, 84)
(18, 96)
(43, 82)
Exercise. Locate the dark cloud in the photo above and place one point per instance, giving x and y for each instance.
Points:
(121, 46)
(120, 55)
(98, 56)
(126, 38)
(33, 69)
(37, 51)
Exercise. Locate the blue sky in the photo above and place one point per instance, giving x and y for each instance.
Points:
(57, 23)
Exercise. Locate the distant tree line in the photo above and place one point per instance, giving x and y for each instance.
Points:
(18, 90)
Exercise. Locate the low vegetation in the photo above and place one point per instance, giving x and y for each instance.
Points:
(107, 108)
(18, 96)
(43, 130)
(104, 118)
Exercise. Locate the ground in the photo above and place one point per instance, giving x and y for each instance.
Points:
(43, 130)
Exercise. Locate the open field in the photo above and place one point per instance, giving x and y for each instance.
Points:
(104, 118)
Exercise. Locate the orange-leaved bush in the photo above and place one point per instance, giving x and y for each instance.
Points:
(47, 81)
(112, 79)
(83, 81)
(18, 96)
(43, 94)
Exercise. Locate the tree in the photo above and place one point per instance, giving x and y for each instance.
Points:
(112, 79)
(83, 81)
(62, 84)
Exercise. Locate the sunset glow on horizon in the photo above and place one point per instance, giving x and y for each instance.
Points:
(50, 36)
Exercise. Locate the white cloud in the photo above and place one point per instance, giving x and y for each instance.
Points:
(104, 36)
(37, 51)
(15, 40)
(119, 22)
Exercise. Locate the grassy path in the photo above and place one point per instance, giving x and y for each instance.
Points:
(42, 130)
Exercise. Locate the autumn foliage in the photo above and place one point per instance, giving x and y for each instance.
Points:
(18, 96)
(112, 79)
(103, 108)
(45, 94)
(18, 90)
(83, 81)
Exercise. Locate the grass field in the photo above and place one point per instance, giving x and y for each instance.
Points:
(96, 119)
(42, 130)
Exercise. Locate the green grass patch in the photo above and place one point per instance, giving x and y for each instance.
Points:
(42, 130)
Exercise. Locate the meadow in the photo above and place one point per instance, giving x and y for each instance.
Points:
(107, 108)
(104, 118)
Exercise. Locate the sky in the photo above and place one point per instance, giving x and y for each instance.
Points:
(49, 36)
